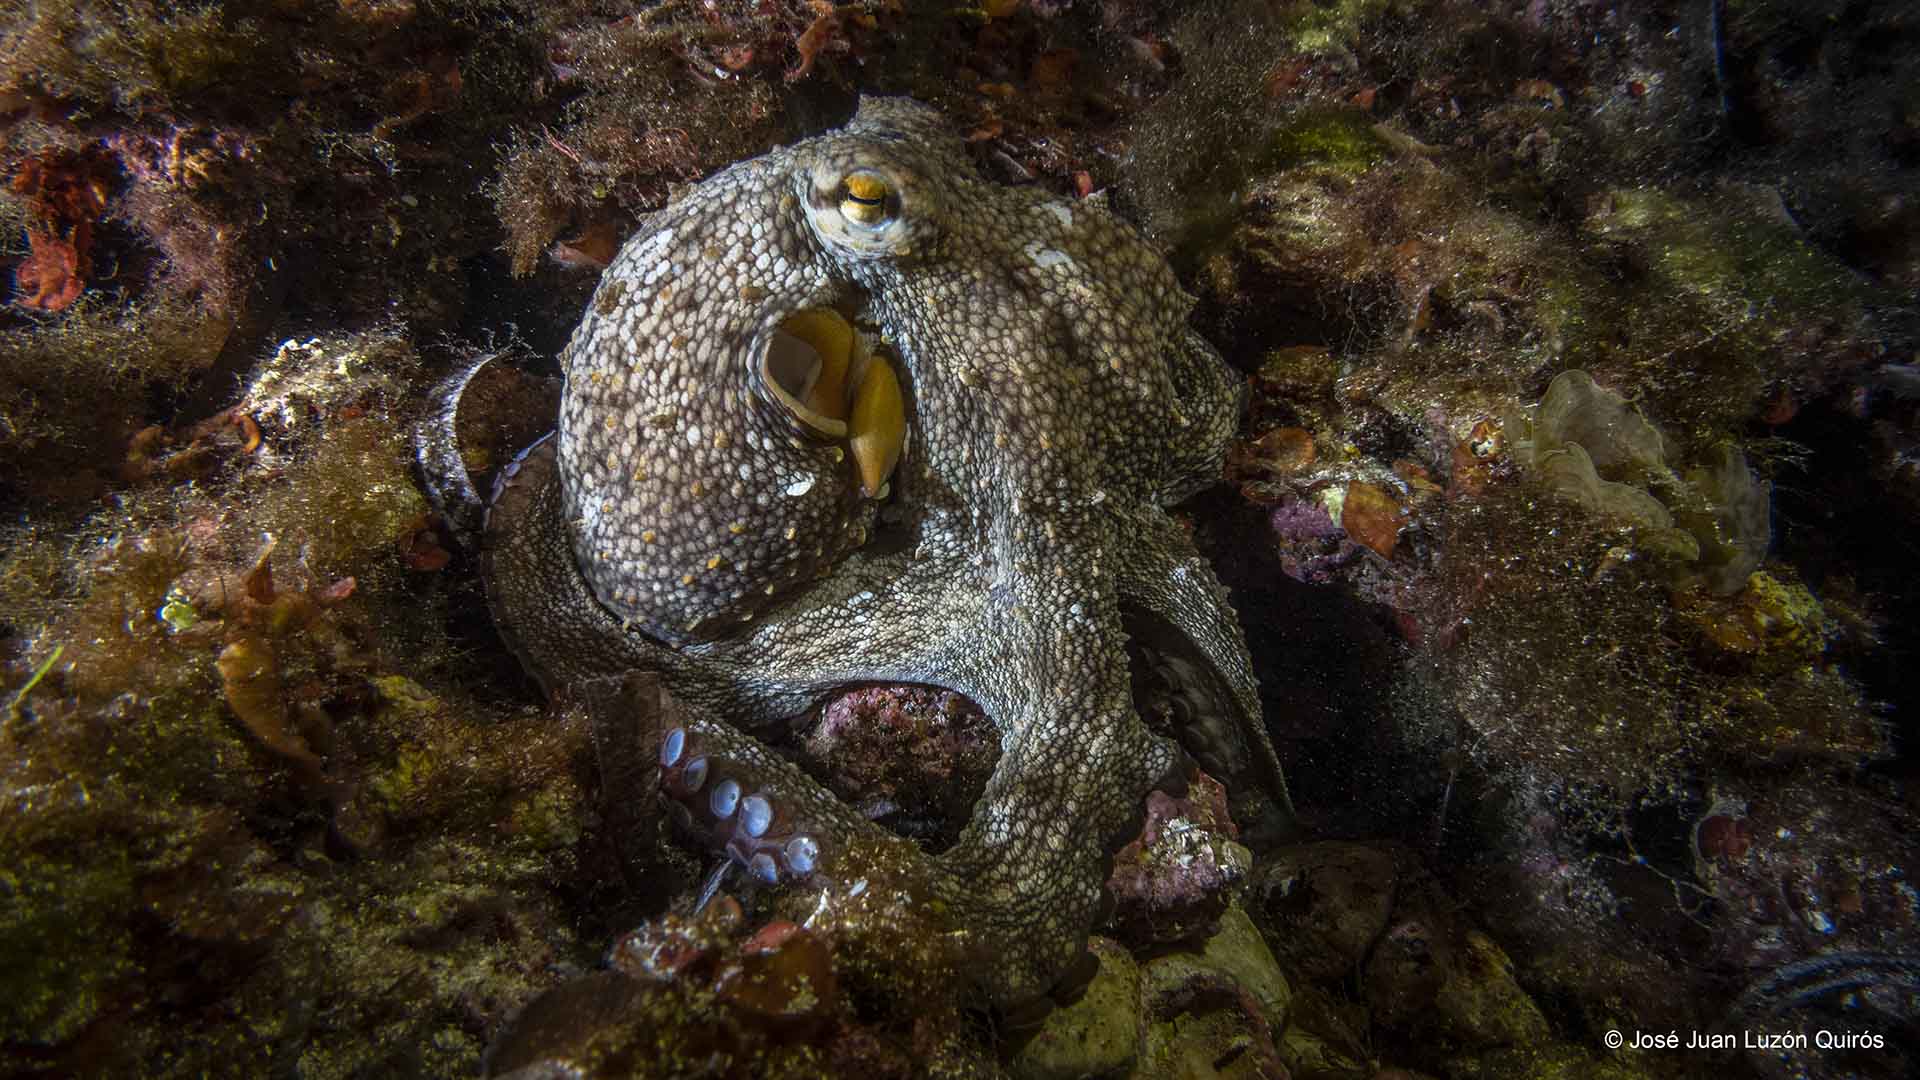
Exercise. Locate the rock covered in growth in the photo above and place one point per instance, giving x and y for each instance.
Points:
(263, 771)
(1098, 1035)
(1714, 522)
(912, 758)
(1386, 946)
(1324, 906)
(1180, 874)
(1215, 1006)
(704, 993)
(1224, 1004)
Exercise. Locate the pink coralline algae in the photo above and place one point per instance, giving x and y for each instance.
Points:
(913, 755)
(1176, 878)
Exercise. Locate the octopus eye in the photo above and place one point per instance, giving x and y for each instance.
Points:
(867, 200)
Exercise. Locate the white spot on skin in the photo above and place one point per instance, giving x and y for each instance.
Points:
(1046, 258)
(800, 487)
(1061, 211)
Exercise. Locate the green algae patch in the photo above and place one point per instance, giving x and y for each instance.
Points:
(1724, 252)
(76, 389)
(291, 805)
(356, 495)
(407, 697)
(1318, 28)
(62, 940)
(1344, 141)
(548, 820)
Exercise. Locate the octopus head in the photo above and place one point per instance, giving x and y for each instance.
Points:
(732, 418)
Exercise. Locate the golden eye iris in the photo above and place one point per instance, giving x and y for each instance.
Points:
(863, 199)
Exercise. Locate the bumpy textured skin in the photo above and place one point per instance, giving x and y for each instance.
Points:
(1056, 402)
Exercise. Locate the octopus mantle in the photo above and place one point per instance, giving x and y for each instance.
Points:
(708, 511)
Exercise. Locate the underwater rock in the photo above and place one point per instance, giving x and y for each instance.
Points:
(1312, 547)
(1431, 978)
(1803, 868)
(1324, 905)
(1212, 1009)
(1548, 1059)
(1237, 951)
(701, 994)
(1098, 1035)
(1217, 1009)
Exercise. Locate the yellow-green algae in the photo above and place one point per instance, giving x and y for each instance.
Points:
(1578, 664)
(1341, 140)
(312, 911)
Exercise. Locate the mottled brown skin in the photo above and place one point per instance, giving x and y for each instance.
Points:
(1056, 402)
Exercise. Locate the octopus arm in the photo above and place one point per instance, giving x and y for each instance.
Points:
(1176, 608)
(549, 617)
(1210, 397)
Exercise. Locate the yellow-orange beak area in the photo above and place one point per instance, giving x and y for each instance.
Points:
(877, 425)
(826, 375)
(835, 339)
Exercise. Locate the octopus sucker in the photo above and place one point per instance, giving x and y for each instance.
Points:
(863, 327)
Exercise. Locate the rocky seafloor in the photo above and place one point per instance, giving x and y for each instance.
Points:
(1571, 526)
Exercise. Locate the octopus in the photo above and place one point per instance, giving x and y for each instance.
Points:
(848, 413)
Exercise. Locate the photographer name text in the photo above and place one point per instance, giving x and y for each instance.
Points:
(1745, 1040)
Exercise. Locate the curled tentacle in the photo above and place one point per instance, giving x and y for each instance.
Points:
(1178, 610)
(436, 450)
